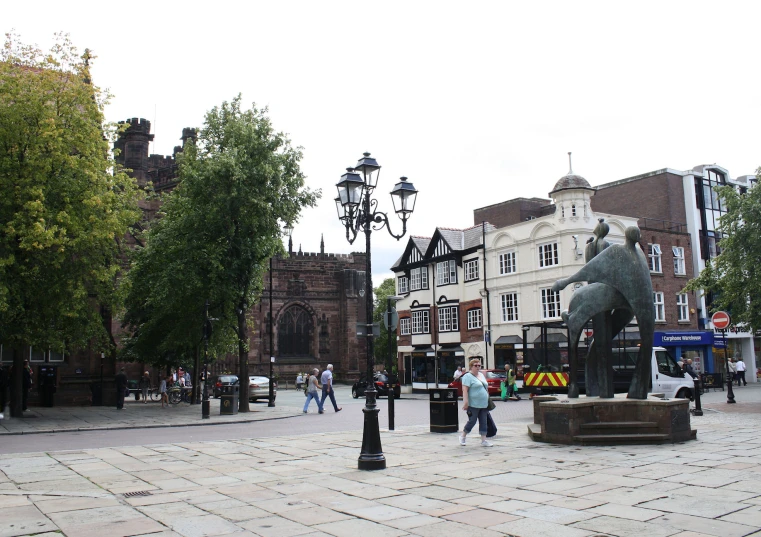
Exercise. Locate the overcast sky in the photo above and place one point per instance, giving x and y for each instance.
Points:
(475, 102)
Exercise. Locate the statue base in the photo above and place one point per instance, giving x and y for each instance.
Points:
(616, 421)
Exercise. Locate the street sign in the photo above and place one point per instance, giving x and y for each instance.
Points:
(721, 320)
(362, 330)
(390, 324)
(588, 332)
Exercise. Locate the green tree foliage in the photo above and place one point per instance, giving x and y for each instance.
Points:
(63, 208)
(238, 185)
(381, 348)
(734, 276)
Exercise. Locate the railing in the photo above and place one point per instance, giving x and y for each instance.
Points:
(663, 225)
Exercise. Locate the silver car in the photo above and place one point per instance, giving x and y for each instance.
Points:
(259, 388)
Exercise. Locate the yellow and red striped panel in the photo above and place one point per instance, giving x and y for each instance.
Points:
(546, 380)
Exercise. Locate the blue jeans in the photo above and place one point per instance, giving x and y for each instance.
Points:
(310, 396)
(331, 394)
(480, 414)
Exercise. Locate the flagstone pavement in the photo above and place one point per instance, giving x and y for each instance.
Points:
(309, 485)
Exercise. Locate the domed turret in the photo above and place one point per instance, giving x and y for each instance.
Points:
(571, 181)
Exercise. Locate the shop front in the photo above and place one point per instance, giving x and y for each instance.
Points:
(422, 365)
(449, 358)
(506, 352)
(697, 346)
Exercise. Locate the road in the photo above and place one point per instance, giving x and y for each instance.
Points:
(410, 411)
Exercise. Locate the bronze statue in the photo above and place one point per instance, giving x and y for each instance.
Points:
(619, 289)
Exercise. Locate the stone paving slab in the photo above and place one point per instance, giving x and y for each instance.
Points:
(308, 485)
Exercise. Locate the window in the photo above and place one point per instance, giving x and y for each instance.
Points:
(420, 322)
(573, 210)
(404, 326)
(294, 330)
(660, 314)
(507, 263)
(474, 318)
(678, 260)
(550, 303)
(402, 285)
(509, 303)
(448, 321)
(654, 257)
(471, 269)
(419, 278)
(683, 308)
(548, 255)
(446, 272)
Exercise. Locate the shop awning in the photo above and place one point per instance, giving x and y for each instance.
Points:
(453, 350)
(509, 340)
(553, 338)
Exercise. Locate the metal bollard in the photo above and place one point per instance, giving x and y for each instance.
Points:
(698, 410)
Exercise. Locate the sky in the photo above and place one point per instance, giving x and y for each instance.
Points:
(475, 102)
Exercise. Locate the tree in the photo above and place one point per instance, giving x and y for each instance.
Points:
(733, 278)
(381, 347)
(64, 206)
(238, 184)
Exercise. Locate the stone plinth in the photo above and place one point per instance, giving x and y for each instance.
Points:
(611, 421)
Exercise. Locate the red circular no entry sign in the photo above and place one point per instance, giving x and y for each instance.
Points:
(721, 320)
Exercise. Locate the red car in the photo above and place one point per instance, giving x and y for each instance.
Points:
(493, 378)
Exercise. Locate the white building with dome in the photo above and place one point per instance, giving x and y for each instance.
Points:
(524, 259)
(493, 291)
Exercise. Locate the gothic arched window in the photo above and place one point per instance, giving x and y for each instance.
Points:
(294, 330)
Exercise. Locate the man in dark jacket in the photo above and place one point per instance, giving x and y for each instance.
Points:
(689, 369)
(121, 388)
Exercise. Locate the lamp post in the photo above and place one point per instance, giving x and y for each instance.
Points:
(205, 405)
(288, 230)
(357, 211)
(487, 334)
(391, 320)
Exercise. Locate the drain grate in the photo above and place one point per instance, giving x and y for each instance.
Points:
(137, 493)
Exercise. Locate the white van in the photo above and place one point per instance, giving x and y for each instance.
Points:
(668, 378)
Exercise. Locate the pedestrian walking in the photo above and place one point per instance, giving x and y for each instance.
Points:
(740, 368)
(327, 388)
(511, 392)
(145, 385)
(475, 397)
(162, 390)
(312, 392)
(732, 367)
(299, 381)
(121, 389)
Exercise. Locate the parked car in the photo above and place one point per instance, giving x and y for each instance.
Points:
(224, 380)
(493, 378)
(383, 385)
(259, 388)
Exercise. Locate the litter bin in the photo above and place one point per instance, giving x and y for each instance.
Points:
(228, 403)
(444, 417)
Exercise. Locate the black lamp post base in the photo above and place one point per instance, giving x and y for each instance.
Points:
(205, 409)
(371, 457)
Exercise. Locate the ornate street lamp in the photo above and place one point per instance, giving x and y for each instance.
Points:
(357, 211)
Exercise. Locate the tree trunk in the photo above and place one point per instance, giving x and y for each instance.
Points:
(243, 405)
(16, 383)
